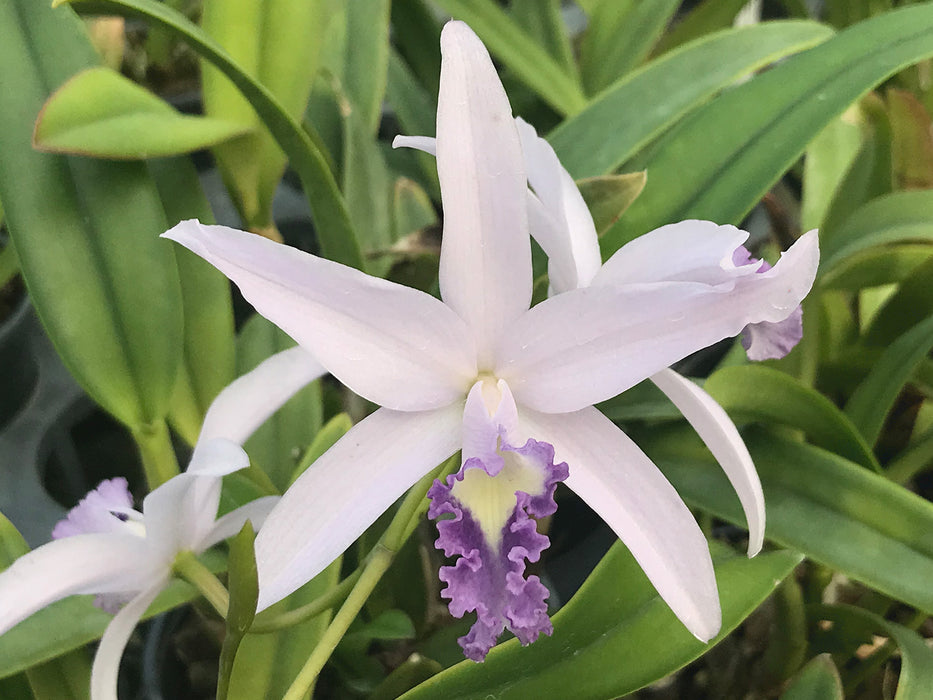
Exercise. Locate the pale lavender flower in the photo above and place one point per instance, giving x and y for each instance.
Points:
(513, 387)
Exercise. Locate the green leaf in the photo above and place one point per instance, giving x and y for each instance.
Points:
(544, 22)
(832, 510)
(828, 158)
(895, 218)
(332, 223)
(760, 393)
(73, 622)
(874, 397)
(276, 42)
(208, 362)
(916, 677)
(608, 196)
(416, 34)
(637, 108)
(707, 17)
(619, 35)
(909, 305)
(415, 109)
(388, 625)
(876, 266)
(366, 61)
(277, 444)
(333, 430)
(911, 141)
(100, 113)
(615, 615)
(739, 144)
(88, 227)
(819, 680)
(530, 62)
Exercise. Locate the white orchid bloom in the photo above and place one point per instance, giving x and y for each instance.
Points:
(124, 556)
(511, 386)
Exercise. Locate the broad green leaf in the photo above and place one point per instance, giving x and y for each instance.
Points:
(332, 223)
(828, 158)
(416, 35)
(618, 36)
(916, 676)
(366, 61)
(876, 266)
(608, 196)
(911, 141)
(909, 305)
(278, 444)
(637, 108)
(544, 21)
(530, 62)
(760, 393)
(819, 680)
(874, 397)
(739, 144)
(615, 615)
(209, 359)
(100, 113)
(86, 231)
(277, 42)
(707, 17)
(832, 510)
(895, 218)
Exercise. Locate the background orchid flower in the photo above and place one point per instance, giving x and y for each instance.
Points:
(513, 387)
(125, 556)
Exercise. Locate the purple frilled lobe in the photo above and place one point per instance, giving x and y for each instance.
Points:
(489, 576)
(105, 509)
(768, 341)
(102, 510)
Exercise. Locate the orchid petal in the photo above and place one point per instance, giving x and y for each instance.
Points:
(248, 401)
(688, 251)
(587, 345)
(576, 258)
(428, 144)
(106, 666)
(230, 524)
(180, 513)
(485, 266)
(92, 563)
(720, 435)
(623, 486)
(394, 345)
(346, 489)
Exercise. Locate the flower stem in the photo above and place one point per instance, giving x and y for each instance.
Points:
(331, 599)
(158, 455)
(377, 563)
(188, 567)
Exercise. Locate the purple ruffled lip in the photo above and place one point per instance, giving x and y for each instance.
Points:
(105, 509)
(489, 576)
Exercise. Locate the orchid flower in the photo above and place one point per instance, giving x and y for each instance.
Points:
(510, 386)
(106, 547)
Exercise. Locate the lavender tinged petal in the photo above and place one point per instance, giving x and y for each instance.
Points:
(766, 340)
(489, 576)
(96, 511)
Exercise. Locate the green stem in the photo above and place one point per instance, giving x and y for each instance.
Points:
(188, 567)
(331, 599)
(158, 455)
(913, 460)
(377, 563)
